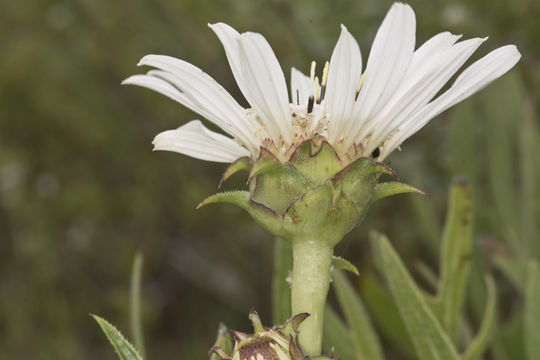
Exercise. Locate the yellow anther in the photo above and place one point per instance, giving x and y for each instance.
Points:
(312, 72)
(325, 73)
(360, 83)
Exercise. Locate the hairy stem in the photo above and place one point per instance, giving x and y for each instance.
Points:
(311, 279)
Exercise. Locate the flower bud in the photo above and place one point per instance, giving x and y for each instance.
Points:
(278, 343)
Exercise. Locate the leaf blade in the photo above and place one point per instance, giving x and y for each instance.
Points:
(425, 331)
(123, 348)
(482, 338)
(364, 338)
(456, 252)
(337, 336)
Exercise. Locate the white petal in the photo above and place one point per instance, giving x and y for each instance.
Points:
(209, 98)
(480, 74)
(195, 140)
(435, 45)
(344, 75)
(419, 87)
(266, 90)
(389, 59)
(229, 38)
(474, 78)
(425, 58)
(162, 87)
(301, 87)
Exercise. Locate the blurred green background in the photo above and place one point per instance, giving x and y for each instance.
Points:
(81, 190)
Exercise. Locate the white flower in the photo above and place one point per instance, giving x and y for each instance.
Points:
(359, 112)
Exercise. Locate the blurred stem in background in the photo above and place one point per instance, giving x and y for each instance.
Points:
(135, 306)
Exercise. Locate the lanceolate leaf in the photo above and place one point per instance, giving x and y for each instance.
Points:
(365, 340)
(337, 336)
(531, 314)
(427, 334)
(455, 257)
(123, 348)
(385, 314)
(481, 341)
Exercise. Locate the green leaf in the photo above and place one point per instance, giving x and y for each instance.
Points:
(122, 347)
(339, 263)
(427, 334)
(385, 314)
(337, 336)
(390, 188)
(531, 319)
(281, 290)
(455, 257)
(481, 341)
(135, 310)
(365, 340)
(508, 338)
(463, 138)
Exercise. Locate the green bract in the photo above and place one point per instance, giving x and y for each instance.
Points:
(315, 194)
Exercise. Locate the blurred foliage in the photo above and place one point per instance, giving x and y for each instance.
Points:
(81, 191)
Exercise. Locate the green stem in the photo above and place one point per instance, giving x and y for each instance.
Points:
(311, 279)
(135, 309)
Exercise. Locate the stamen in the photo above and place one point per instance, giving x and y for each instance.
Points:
(324, 79)
(317, 88)
(312, 71)
(311, 102)
(297, 97)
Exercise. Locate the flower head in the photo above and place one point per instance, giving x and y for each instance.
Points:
(360, 112)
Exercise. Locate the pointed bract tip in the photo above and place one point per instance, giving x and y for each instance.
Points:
(256, 321)
(222, 328)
